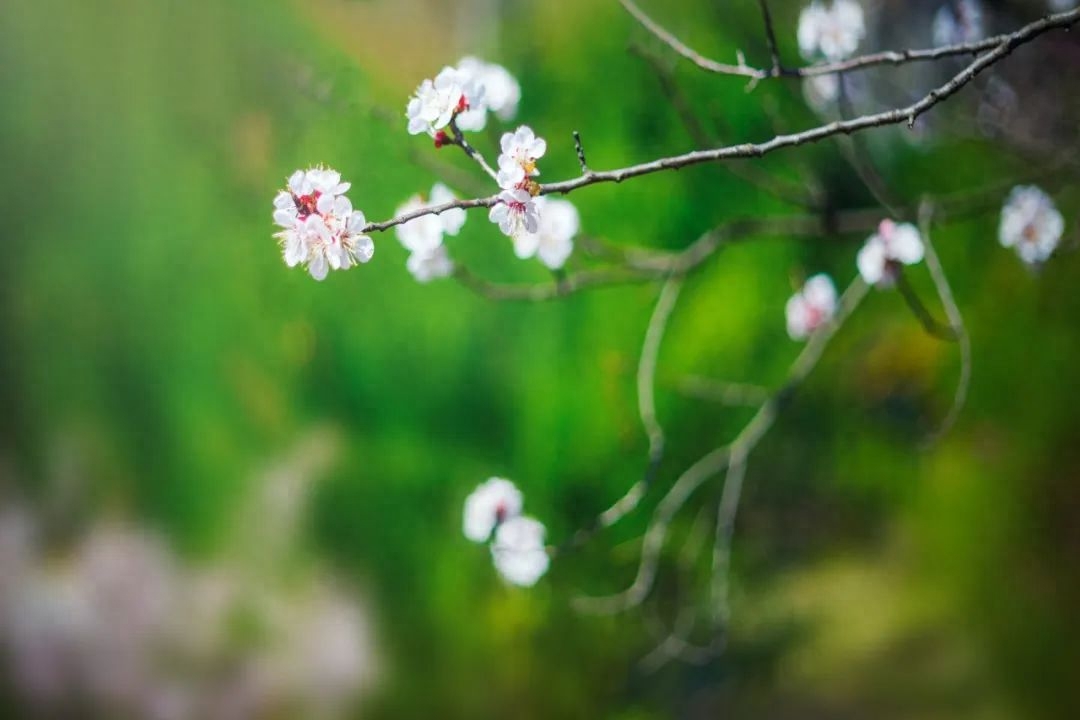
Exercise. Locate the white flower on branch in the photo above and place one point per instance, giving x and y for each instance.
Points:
(436, 102)
(1030, 223)
(501, 93)
(958, 21)
(893, 245)
(833, 31)
(515, 213)
(811, 307)
(320, 227)
(517, 162)
(425, 233)
(518, 551)
(492, 503)
(553, 240)
(428, 265)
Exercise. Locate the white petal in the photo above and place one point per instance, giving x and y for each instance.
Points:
(318, 267)
(871, 260)
(518, 551)
(906, 244)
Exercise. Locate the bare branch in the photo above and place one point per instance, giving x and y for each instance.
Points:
(908, 114)
(719, 459)
(956, 320)
(725, 393)
(770, 37)
(693, 56)
(459, 140)
(919, 309)
(887, 57)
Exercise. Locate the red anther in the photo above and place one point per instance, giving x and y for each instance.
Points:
(441, 138)
(462, 104)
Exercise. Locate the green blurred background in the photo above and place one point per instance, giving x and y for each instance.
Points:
(157, 351)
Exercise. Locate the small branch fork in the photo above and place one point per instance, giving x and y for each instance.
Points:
(996, 48)
(887, 57)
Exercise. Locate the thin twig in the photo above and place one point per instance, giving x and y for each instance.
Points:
(580, 149)
(887, 57)
(793, 194)
(459, 140)
(770, 37)
(654, 431)
(956, 320)
(717, 460)
(725, 393)
(932, 326)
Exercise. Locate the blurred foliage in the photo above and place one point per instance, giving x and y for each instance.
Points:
(157, 351)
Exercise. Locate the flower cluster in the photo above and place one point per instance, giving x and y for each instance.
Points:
(517, 548)
(117, 626)
(499, 93)
(320, 228)
(423, 236)
(436, 102)
(463, 94)
(1031, 224)
(883, 254)
(811, 307)
(833, 32)
(553, 240)
(516, 212)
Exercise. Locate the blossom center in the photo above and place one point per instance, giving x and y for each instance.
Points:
(305, 204)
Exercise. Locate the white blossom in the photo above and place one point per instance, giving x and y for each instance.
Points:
(436, 102)
(515, 213)
(1030, 223)
(958, 21)
(517, 161)
(320, 227)
(428, 265)
(492, 503)
(821, 91)
(425, 233)
(811, 307)
(553, 240)
(893, 245)
(833, 31)
(501, 93)
(518, 551)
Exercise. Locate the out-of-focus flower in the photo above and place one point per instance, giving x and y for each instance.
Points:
(428, 265)
(517, 161)
(501, 93)
(811, 307)
(1030, 223)
(425, 233)
(493, 502)
(1062, 5)
(891, 246)
(821, 91)
(958, 21)
(553, 240)
(833, 31)
(518, 551)
(515, 213)
(436, 102)
(320, 227)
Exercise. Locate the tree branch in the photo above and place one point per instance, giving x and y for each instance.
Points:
(1006, 44)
